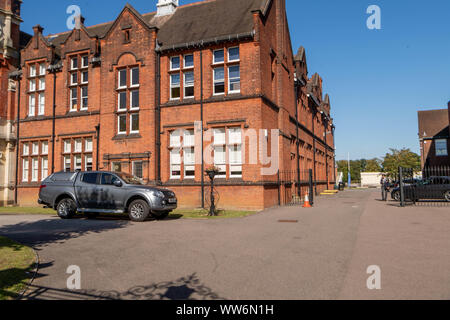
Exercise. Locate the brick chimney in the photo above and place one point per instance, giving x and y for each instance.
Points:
(166, 7)
(37, 32)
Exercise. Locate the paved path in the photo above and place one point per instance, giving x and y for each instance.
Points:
(324, 255)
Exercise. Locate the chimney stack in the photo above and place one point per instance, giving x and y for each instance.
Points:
(166, 7)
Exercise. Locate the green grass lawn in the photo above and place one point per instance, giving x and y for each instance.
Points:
(26, 210)
(15, 261)
(203, 214)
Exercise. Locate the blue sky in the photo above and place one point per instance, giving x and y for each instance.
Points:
(377, 79)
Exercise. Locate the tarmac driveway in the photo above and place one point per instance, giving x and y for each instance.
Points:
(318, 253)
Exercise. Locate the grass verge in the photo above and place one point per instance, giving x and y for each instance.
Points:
(16, 261)
(25, 210)
(203, 214)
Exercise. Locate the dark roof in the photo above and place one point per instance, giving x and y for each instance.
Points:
(191, 23)
(24, 39)
(433, 123)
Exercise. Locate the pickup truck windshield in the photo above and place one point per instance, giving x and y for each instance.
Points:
(130, 179)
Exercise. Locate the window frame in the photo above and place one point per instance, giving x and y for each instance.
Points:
(132, 77)
(132, 115)
(171, 63)
(214, 57)
(228, 54)
(186, 86)
(184, 61)
(172, 86)
(229, 79)
(118, 124)
(445, 143)
(216, 81)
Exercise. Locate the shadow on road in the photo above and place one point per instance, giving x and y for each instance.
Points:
(41, 233)
(185, 288)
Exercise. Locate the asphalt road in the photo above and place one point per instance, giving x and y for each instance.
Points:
(323, 254)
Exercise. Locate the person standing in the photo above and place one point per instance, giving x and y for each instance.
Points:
(384, 181)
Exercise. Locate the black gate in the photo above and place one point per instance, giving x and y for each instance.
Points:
(431, 187)
(294, 185)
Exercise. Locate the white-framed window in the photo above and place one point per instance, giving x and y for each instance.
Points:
(189, 154)
(134, 123)
(88, 162)
(175, 63)
(67, 146)
(219, 81)
(122, 81)
(26, 149)
(84, 77)
(33, 70)
(234, 79)
(188, 61)
(175, 163)
(134, 99)
(41, 83)
(233, 54)
(67, 164)
(122, 101)
(74, 63)
(88, 146)
(134, 74)
(44, 168)
(188, 84)
(44, 147)
(42, 69)
(219, 56)
(175, 86)
(32, 85)
(32, 106)
(35, 148)
(73, 99)
(74, 78)
(175, 139)
(77, 162)
(78, 145)
(84, 98)
(85, 61)
(441, 147)
(220, 152)
(122, 124)
(137, 169)
(235, 152)
(41, 108)
(25, 170)
(34, 169)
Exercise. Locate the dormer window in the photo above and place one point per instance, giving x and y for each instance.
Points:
(36, 86)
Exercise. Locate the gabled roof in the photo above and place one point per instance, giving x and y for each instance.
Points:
(301, 55)
(433, 123)
(191, 23)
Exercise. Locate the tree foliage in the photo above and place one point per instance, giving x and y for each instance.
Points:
(400, 158)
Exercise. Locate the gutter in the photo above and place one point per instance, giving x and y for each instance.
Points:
(207, 42)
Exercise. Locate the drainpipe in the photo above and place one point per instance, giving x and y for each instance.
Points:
(19, 78)
(314, 152)
(158, 119)
(326, 151)
(97, 128)
(201, 118)
(297, 142)
(54, 120)
(334, 156)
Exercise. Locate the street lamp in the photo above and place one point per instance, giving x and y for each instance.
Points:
(212, 173)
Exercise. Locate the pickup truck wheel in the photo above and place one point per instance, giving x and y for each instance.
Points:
(396, 195)
(447, 196)
(138, 210)
(66, 208)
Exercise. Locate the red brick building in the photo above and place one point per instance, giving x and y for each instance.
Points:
(434, 136)
(115, 96)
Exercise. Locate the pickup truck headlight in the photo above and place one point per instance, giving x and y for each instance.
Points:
(158, 194)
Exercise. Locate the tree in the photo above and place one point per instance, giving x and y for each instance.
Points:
(373, 165)
(400, 158)
(355, 169)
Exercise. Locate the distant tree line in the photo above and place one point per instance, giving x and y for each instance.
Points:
(388, 164)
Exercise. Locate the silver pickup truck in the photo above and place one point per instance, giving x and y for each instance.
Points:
(97, 192)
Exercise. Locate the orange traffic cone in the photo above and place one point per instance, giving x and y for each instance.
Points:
(307, 204)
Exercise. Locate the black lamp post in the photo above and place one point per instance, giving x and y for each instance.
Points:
(212, 174)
